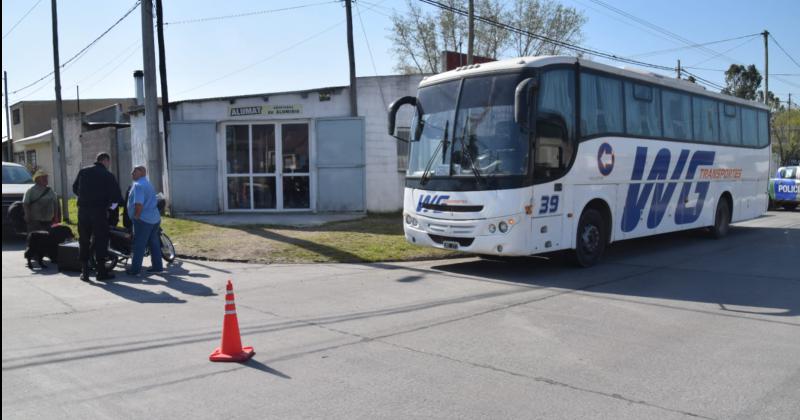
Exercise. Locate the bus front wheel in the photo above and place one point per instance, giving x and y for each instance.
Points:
(590, 242)
(722, 219)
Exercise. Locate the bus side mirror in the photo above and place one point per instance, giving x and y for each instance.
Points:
(523, 102)
(406, 100)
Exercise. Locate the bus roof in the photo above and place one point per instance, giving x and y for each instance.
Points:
(541, 61)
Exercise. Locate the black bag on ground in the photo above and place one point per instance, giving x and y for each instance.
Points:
(69, 256)
(16, 214)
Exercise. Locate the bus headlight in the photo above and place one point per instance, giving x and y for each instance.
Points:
(503, 226)
(492, 228)
(408, 219)
(414, 221)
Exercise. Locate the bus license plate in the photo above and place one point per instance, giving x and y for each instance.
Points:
(450, 244)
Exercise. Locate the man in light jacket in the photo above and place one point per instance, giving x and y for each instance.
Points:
(40, 204)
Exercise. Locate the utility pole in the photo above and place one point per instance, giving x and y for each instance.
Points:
(154, 152)
(790, 102)
(679, 69)
(8, 120)
(471, 31)
(62, 150)
(78, 98)
(162, 68)
(353, 93)
(766, 66)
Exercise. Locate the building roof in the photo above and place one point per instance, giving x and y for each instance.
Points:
(42, 137)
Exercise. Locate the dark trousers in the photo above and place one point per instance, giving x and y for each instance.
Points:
(93, 230)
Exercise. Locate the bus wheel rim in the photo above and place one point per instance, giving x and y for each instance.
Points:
(590, 238)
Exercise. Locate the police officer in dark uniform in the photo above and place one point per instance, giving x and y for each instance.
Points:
(97, 189)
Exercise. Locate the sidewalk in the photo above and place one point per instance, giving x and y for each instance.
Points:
(274, 219)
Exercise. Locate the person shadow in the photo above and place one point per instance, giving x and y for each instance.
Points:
(174, 277)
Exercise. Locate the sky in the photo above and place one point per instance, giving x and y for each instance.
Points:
(301, 44)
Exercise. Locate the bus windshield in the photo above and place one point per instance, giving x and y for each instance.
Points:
(479, 137)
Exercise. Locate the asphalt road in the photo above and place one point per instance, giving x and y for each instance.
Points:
(672, 327)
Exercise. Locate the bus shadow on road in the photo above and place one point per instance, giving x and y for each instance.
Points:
(752, 271)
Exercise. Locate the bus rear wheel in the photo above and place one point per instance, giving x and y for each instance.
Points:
(590, 242)
(722, 219)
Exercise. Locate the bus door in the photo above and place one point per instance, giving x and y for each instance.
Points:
(547, 217)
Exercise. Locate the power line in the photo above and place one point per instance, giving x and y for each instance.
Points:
(116, 57)
(245, 14)
(21, 19)
(559, 43)
(657, 52)
(105, 76)
(784, 51)
(722, 54)
(705, 81)
(787, 82)
(371, 58)
(83, 50)
(251, 65)
(651, 25)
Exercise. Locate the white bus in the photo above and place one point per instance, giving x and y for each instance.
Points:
(539, 154)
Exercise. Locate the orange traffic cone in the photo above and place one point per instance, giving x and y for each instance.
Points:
(231, 349)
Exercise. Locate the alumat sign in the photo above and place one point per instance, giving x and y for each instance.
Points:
(241, 111)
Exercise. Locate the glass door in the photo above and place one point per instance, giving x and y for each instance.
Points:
(265, 174)
(295, 169)
(264, 171)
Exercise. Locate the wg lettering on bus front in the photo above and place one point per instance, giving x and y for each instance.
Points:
(434, 199)
(639, 192)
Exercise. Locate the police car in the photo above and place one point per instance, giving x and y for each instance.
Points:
(784, 189)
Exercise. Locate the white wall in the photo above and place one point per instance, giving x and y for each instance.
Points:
(384, 182)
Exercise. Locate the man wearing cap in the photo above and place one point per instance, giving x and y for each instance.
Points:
(41, 204)
(98, 191)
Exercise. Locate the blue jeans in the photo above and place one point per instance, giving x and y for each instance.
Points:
(146, 235)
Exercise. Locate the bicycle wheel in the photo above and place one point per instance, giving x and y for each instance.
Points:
(167, 248)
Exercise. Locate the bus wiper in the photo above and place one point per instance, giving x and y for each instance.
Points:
(426, 173)
(465, 152)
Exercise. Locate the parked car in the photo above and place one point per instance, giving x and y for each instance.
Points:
(784, 189)
(16, 180)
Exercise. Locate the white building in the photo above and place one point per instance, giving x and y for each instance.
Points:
(281, 152)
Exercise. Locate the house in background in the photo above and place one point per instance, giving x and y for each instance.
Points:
(297, 151)
(104, 128)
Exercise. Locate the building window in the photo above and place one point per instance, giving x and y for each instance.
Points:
(402, 148)
(15, 114)
(19, 157)
(30, 159)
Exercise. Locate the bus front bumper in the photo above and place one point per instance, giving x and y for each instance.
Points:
(474, 236)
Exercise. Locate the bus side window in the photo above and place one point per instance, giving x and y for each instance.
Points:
(729, 124)
(706, 120)
(763, 131)
(601, 105)
(749, 127)
(677, 110)
(554, 145)
(642, 110)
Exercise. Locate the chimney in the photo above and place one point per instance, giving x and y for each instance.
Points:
(138, 78)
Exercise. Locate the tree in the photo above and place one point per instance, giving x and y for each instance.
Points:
(544, 17)
(773, 101)
(786, 135)
(741, 81)
(419, 37)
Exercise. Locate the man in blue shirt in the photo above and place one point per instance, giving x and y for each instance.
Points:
(143, 208)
